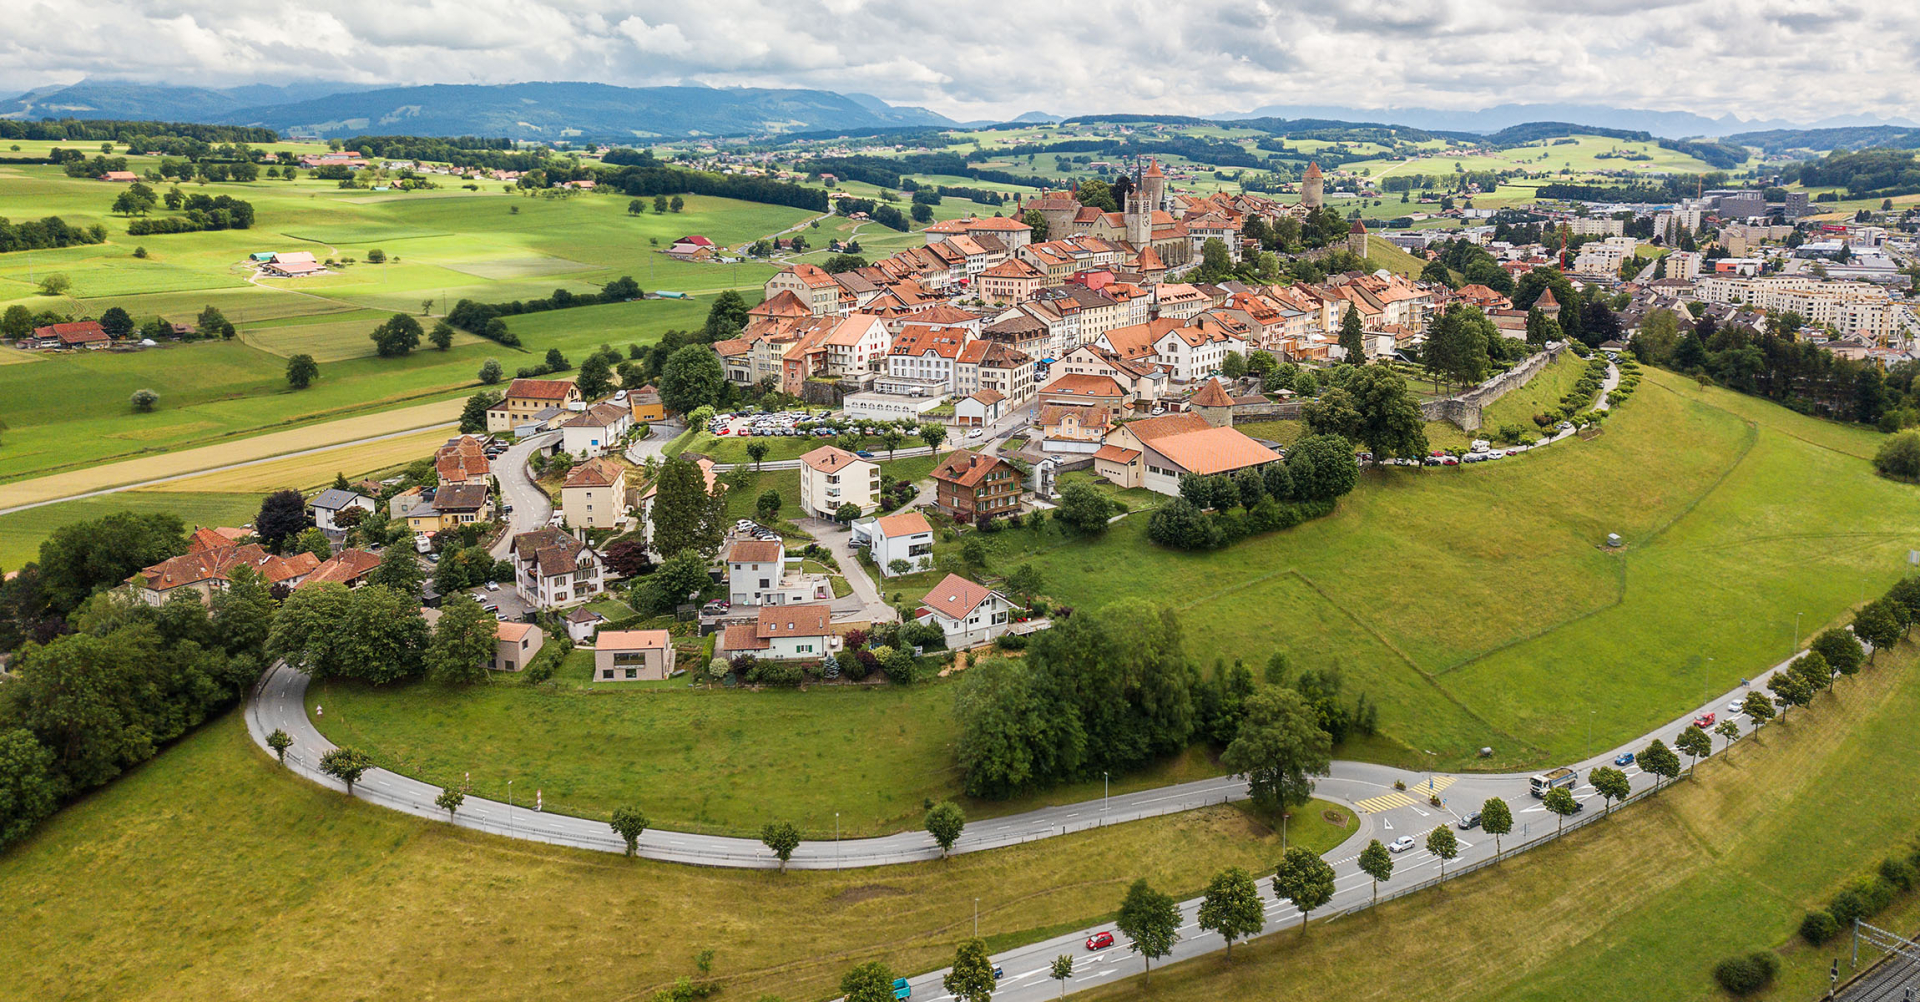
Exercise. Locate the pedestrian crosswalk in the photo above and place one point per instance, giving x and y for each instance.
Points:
(1432, 787)
(1384, 802)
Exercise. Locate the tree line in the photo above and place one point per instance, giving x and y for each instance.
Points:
(120, 131)
(484, 319)
(46, 233)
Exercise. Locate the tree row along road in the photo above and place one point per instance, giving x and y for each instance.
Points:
(278, 702)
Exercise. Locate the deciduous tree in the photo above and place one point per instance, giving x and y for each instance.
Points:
(302, 370)
(869, 982)
(1151, 920)
(1496, 819)
(1377, 863)
(1444, 846)
(629, 823)
(463, 641)
(782, 838)
(1232, 907)
(280, 741)
(1695, 743)
(450, 800)
(945, 822)
(1660, 761)
(1560, 801)
(1612, 784)
(345, 765)
(1279, 747)
(970, 978)
(1304, 879)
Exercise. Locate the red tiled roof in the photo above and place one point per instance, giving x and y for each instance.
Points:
(793, 621)
(756, 551)
(539, 389)
(907, 523)
(955, 597)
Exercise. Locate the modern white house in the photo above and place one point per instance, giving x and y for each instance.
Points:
(831, 477)
(758, 574)
(595, 431)
(907, 536)
(632, 656)
(968, 613)
(327, 505)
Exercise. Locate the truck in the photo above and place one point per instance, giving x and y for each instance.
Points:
(901, 989)
(1545, 781)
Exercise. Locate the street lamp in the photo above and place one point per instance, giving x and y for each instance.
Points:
(1796, 634)
(976, 918)
(1106, 786)
(836, 834)
(509, 803)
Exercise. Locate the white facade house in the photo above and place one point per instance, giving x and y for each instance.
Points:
(907, 536)
(552, 569)
(966, 612)
(327, 505)
(783, 632)
(758, 574)
(831, 477)
(595, 431)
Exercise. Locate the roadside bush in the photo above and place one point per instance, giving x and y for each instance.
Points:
(1818, 927)
(1010, 642)
(1748, 974)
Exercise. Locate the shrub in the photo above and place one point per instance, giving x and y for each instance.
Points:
(1010, 642)
(1818, 927)
(1748, 974)
(1898, 872)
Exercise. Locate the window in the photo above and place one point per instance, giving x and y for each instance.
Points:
(633, 673)
(607, 673)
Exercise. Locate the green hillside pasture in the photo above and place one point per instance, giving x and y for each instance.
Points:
(21, 532)
(1445, 567)
(1542, 392)
(333, 341)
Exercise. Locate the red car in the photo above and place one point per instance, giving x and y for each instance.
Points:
(1099, 941)
(1705, 721)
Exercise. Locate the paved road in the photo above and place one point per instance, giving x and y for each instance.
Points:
(531, 507)
(277, 702)
(836, 538)
(230, 466)
(879, 456)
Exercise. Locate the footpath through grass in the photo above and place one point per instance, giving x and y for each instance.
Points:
(1640, 906)
(209, 874)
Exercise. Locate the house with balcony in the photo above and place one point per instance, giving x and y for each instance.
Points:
(553, 569)
(972, 487)
(967, 613)
(907, 537)
(831, 477)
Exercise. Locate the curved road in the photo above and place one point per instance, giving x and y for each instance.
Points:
(531, 505)
(278, 702)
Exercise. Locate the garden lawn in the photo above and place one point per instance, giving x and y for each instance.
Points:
(210, 874)
(1642, 905)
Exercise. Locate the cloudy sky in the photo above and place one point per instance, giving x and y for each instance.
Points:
(1802, 59)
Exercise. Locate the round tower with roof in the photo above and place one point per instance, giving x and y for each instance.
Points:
(1547, 304)
(1213, 404)
(1313, 187)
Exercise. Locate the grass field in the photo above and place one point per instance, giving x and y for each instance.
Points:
(22, 531)
(72, 410)
(1640, 906)
(1541, 393)
(209, 874)
(317, 469)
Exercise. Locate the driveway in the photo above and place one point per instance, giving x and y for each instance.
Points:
(835, 538)
(531, 506)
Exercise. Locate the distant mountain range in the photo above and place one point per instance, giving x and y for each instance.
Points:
(1665, 124)
(544, 111)
(589, 111)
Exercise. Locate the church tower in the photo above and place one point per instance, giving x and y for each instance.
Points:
(1313, 187)
(1154, 184)
(1138, 213)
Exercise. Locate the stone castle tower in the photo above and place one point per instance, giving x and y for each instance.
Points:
(1313, 187)
(1357, 239)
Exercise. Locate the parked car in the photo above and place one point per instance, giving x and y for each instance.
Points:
(1433, 461)
(1565, 426)
(901, 989)
(864, 454)
(1401, 844)
(1703, 721)
(1470, 821)
(493, 586)
(1449, 460)
(976, 433)
(1624, 758)
(1099, 941)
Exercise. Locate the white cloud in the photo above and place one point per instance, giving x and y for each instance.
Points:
(1803, 59)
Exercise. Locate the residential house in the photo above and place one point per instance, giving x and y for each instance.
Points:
(527, 398)
(907, 537)
(348, 567)
(552, 568)
(645, 405)
(1075, 428)
(831, 477)
(782, 632)
(327, 505)
(451, 506)
(514, 645)
(594, 495)
(632, 656)
(210, 559)
(595, 431)
(1096, 390)
(461, 461)
(1010, 282)
(966, 612)
(78, 334)
(979, 409)
(928, 355)
(972, 487)
(993, 365)
(581, 624)
(757, 574)
(812, 286)
(1012, 233)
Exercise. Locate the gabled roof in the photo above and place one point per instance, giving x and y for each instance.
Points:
(334, 499)
(781, 304)
(956, 597)
(600, 416)
(539, 389)
(967, 468)
(793, 621)
(460, 497)
(345, 568)
(597, 472)
(512, 633)
(1150, 430)
(830, 459)
(1085, 385)
(1212, 450)
(757, 551)
(464, 458)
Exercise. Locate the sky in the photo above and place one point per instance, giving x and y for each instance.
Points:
(1802, 59)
